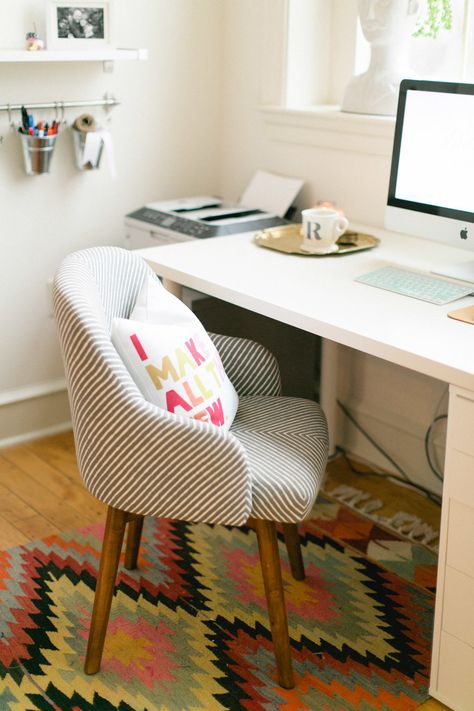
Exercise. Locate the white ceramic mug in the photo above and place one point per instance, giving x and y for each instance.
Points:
(321, 229)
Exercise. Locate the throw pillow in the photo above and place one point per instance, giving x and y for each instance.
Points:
(172, 359)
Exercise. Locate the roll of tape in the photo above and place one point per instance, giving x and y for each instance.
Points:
(85, 123)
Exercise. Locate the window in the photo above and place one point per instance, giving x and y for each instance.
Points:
(325, 47)
(321, 48)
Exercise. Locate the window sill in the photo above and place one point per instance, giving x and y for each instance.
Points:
(329, 127)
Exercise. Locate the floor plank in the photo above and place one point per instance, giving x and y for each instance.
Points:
(55, 481)
(12, 508)
(57, 453)
(10, 536)
(55, 509)
(433, 705)
(36, 526)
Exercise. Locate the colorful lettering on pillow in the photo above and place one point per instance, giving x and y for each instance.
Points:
(191, 378)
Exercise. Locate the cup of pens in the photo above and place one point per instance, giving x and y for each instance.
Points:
(38, 142)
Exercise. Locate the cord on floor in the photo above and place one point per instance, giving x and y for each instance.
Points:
(403, 478)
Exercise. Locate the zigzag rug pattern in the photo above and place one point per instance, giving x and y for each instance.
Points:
(189, 628)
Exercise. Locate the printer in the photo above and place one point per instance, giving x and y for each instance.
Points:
(160, 223)
(264, 203)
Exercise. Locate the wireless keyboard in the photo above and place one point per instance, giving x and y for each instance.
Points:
(414, 284)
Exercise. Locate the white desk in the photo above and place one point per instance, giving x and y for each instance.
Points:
(320, 296)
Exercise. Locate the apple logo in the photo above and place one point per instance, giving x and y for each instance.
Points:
(463, 234)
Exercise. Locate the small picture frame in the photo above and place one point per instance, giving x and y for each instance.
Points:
(82, 25)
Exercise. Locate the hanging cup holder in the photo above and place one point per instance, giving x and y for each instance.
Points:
(37, 153)
(85, 158)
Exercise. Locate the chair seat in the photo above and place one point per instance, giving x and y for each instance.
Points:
(286, 442)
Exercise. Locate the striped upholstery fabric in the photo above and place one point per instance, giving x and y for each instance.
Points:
(139, 458)
(250, 367)
(286, 442)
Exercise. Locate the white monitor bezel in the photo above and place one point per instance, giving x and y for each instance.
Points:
(434, 222)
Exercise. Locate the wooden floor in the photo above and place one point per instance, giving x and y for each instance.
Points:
(41, 493)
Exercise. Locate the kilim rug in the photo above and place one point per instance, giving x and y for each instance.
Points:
(189, 628)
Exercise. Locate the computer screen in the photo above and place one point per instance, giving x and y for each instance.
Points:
(431, 189)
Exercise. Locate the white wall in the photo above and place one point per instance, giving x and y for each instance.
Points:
(394, 404)
(164, 134)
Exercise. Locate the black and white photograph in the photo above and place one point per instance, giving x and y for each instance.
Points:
(80, 22)
(84, 25)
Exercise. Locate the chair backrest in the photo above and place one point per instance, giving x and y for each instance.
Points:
(134, 455)
(110, 276)
(92, 287)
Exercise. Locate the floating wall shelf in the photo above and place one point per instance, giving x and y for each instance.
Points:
(61, 55)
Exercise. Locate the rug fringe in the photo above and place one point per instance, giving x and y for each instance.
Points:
(408, 525)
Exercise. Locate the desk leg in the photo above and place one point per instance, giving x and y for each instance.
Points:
(328, 389)
(174, 288)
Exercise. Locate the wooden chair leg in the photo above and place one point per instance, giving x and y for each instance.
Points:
(293, 546)
(109, 560)
(270, 562)
(134, 535)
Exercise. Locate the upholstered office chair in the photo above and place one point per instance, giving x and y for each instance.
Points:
(143, 461)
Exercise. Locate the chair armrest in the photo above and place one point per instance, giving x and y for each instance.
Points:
(251, 368)
(146, 460)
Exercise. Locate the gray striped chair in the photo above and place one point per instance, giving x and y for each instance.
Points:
(143, 461)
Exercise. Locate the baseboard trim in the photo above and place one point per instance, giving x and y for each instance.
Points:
(35, 434)
(31, 392)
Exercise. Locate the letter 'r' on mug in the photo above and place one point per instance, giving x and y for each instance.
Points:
(321, 230)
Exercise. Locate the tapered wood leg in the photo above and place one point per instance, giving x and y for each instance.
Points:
(109, 560)
(134, 535)
(293, 546)
(270, 562)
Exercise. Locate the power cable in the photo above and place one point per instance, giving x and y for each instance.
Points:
(437, 474)
(404, 478)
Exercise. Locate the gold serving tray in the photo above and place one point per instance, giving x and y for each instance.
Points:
(288, 239)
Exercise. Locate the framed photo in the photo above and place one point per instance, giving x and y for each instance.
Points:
(84, 25)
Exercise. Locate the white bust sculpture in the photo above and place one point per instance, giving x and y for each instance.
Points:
(386, 25)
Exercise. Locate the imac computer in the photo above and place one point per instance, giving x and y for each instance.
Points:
(431, 190)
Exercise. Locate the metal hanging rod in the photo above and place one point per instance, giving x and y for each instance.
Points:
(108, 102)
